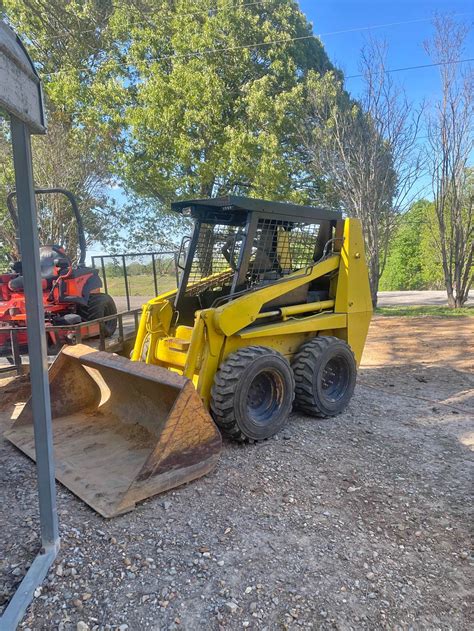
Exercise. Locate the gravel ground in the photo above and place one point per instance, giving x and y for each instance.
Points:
(359, 522)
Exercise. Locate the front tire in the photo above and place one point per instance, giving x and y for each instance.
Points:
(325, 374)
(253, 393)
(101, 306)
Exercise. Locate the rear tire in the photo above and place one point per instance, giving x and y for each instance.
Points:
(101, 306)
(253, 393)
(325, 374)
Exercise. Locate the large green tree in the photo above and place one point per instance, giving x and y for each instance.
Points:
(201, 90)
(210, 102)
(181, 98)
(412, 261)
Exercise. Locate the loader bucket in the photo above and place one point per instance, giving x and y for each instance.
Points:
(123, 431)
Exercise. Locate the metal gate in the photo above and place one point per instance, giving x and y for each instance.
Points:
(116, 271)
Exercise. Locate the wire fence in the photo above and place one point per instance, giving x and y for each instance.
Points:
(137, 275)
(14, 339)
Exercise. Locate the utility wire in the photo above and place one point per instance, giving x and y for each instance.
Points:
(368, 28)
(258, 44)
(439, 63)
(234, 48)
(213, 51)
(312, 36)
(251, 4)
(209, 51)
(175, 15)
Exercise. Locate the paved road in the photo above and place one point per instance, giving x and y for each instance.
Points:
(135, 302)
(398, 298)
(386, 299)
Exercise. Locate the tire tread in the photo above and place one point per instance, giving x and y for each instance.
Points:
(223, 388)
(303, 368)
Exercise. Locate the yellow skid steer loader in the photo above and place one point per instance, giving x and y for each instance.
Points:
(271, 313)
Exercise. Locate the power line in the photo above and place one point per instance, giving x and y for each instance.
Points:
(235, 48)
(171, 17)
(368, 28)
(213, 51)
(209, 51)
(258, 2)
(439, 63)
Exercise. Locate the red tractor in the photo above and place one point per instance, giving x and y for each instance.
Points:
(71, 292)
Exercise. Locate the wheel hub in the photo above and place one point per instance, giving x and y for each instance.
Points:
(264, 396)
(335, 378)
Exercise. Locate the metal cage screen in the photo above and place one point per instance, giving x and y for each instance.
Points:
(279, 248)
(209, 258)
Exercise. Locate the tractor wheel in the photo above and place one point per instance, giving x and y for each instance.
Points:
(100, 306)
(252, 394)
(325, 374)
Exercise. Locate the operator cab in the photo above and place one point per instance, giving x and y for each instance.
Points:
(240, 243)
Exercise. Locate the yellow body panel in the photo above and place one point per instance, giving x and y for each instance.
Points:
(313, 324)
(239, 313)
(198, 351)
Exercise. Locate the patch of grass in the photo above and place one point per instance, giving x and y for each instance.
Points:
(140, 285)
(425, 310)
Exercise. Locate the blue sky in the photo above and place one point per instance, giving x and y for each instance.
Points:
(407, 26)
(405, 41)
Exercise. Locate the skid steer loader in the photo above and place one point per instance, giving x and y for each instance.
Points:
(271, 312)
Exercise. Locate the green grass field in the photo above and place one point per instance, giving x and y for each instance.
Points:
(141, 285)
(425, 310)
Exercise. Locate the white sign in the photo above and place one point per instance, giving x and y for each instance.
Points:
(20, 87)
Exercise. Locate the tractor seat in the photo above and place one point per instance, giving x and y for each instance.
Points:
(16, 284)
(50, 255)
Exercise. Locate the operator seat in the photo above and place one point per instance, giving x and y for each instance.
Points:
(51, 257)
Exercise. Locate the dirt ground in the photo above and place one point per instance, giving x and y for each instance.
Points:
(359, 522)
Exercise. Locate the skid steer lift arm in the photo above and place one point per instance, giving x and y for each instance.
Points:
(272, 310)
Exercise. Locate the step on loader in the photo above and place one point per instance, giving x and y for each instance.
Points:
(271, 313)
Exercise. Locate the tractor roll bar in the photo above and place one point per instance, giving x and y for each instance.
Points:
(75, 209)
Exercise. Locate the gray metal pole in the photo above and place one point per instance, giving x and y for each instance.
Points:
(125, 277)
(36, 332)
(39, 379)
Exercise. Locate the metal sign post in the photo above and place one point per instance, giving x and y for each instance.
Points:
(20, 96)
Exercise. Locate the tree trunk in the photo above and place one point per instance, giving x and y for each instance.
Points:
(461, 298)
(450, 293)
(463, 286)
(374, 276)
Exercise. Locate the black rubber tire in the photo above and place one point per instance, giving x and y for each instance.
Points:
(253, 394)
(325, 372)
(100, 306)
